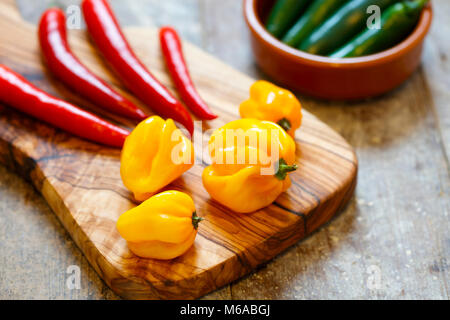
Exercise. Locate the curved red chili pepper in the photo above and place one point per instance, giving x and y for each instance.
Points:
(66, 67)
(106, 33)
(173, 55)
(17, 92)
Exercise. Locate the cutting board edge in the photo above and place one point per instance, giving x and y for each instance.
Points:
(120, 281)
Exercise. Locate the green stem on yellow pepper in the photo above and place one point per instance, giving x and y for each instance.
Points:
(196, 220)
(283, 169)
(285, 124)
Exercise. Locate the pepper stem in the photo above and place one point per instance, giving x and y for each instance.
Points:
(284, 168)
(196, 220)
(285, 124)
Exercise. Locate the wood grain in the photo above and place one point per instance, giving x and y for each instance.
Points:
(81, 183)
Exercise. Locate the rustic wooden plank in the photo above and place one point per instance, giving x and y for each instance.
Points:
(226, 36)
(399, 141)
(436, 68)
(183, 15)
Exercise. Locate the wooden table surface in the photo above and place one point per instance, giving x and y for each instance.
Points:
(391, 242)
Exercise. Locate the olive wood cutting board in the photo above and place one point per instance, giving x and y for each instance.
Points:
(81, 181)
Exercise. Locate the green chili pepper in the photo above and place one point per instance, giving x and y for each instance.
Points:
(316, 13)
(342, 26)
(283, 14)
(397, 22)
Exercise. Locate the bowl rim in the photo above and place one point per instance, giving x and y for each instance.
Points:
(414, 39)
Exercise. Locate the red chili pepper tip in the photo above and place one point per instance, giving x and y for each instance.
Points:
(176, 64)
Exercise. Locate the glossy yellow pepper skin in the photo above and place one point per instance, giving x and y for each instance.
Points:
(240, 185)
(163, 227)
(272, 103)
(154, 154)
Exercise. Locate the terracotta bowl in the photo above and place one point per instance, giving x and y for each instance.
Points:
(341, 79)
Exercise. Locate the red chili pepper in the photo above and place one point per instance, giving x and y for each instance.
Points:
(173, 55)
(66, 67)
(17, 92)
(106, 33)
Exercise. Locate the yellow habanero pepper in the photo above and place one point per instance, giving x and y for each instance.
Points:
(272, 103)
(245, 155)
(163, 227)
(154, 154)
